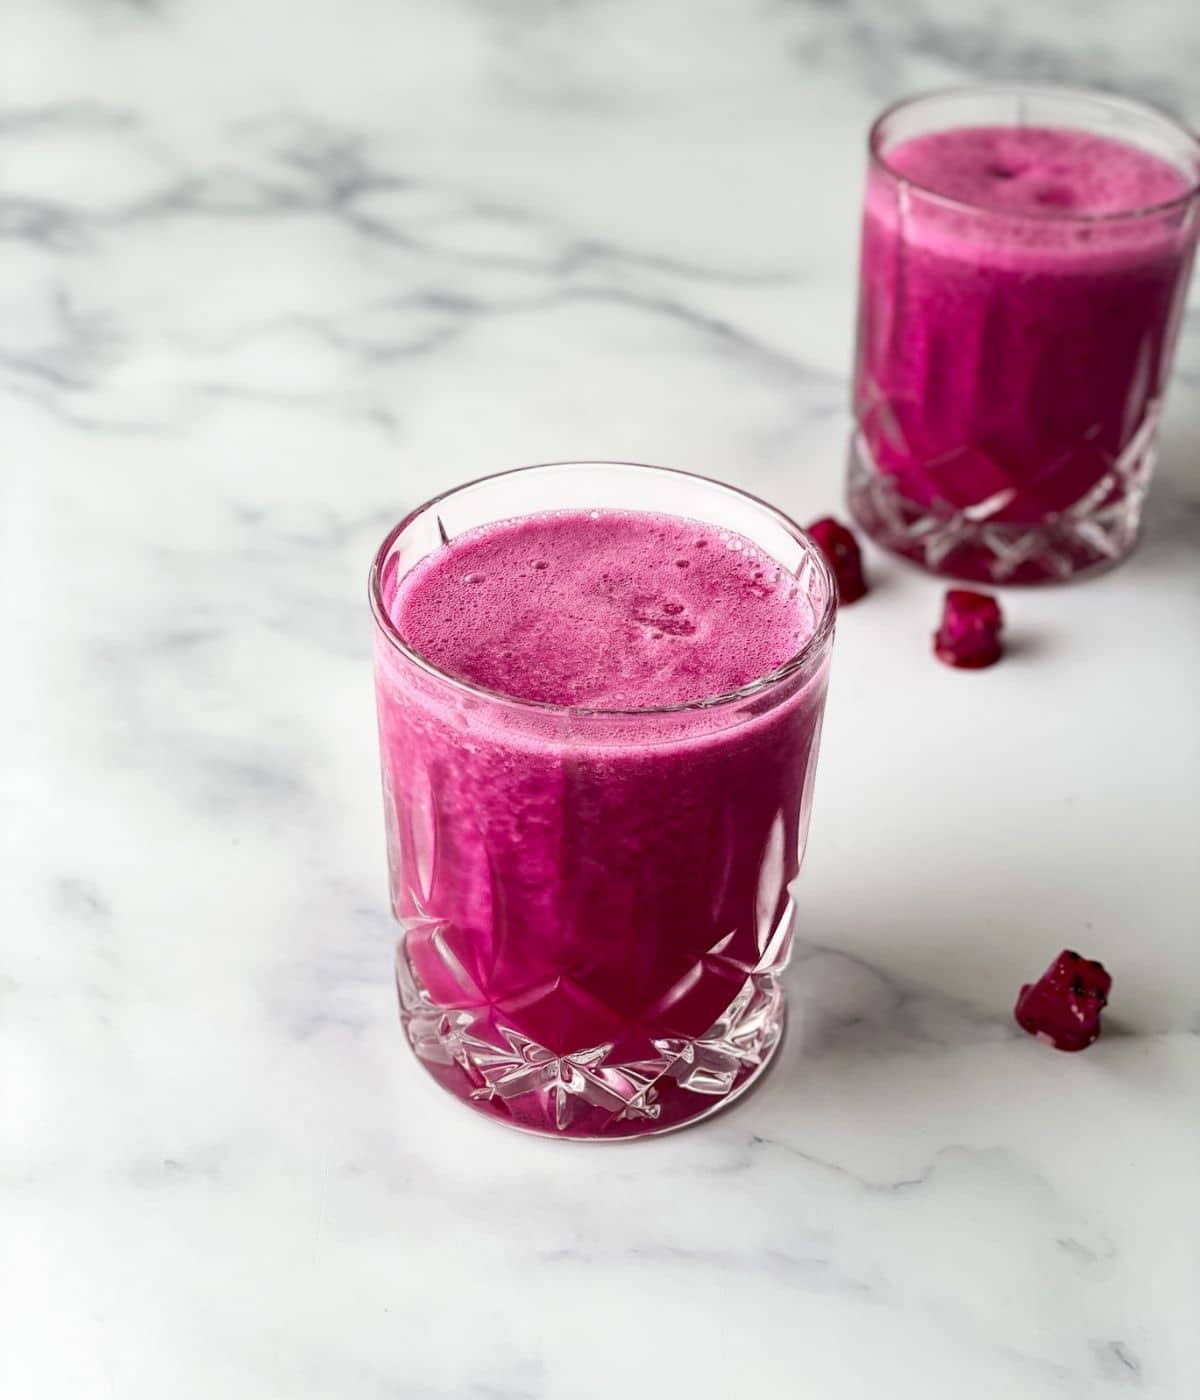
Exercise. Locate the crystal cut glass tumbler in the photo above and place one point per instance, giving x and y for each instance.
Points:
(1013, 348)
(593, 905)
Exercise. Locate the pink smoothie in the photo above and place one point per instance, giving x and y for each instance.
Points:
(572, 882)
(1012, 355)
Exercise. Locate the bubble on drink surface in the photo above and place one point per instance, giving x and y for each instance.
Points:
(682, 564)
(474, 578)
(1056, 196)
(540, 564)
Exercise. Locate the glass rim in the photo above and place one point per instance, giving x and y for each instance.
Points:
(796, 663)
(1113, 101)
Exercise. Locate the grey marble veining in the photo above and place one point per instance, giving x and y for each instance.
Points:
(272, 274)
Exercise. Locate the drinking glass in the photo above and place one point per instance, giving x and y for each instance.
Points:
(1010, 367)
(593, 904)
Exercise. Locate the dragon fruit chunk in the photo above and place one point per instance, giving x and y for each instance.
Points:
(969, 636)
(841, 549)
(1063, 1006)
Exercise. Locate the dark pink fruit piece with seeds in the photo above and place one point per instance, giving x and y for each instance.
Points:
(1063, 1006)
(969, 636)
(841, 549)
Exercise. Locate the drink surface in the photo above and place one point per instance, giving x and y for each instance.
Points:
(1036, 170)
(609, 610)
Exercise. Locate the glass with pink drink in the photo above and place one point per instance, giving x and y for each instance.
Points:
(600, 690)
(1025, 259)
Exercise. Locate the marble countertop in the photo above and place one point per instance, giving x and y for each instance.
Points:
(270, 275)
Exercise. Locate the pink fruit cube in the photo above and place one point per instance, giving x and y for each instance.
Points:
(841, 549)
(1063, 1006)
(969, 636)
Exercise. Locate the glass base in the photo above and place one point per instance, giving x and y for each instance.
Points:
(586, 1094)
(1094, 534)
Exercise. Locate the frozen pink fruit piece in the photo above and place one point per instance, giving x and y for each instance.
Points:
(840, 548)
(969, 636)
(1063, 1006)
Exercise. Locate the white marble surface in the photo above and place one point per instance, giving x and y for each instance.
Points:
(271, 273)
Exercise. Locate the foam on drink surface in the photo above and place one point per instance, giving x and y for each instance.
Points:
(605, 609)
